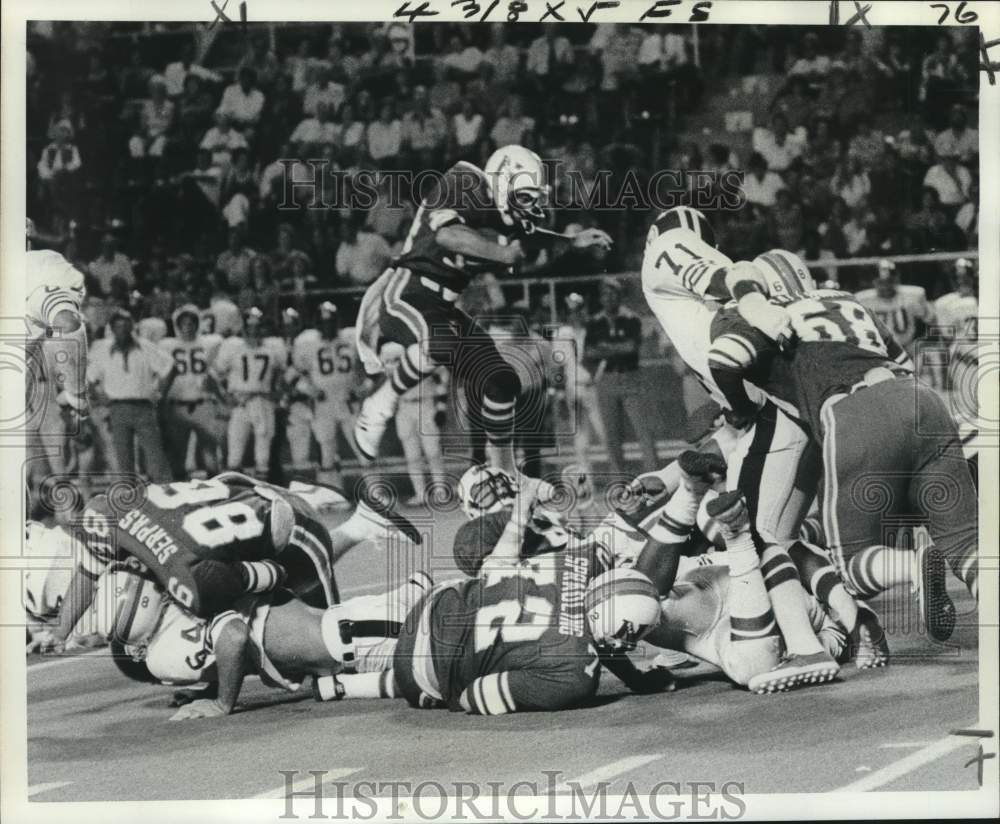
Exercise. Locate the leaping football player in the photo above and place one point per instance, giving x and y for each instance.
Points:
(413, 302)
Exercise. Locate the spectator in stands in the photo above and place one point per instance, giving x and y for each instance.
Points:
(194, 111)
(445, 93)
(851, 182)
(424, 132)
(814, 250)
(388, 219)
(664, 63)
(316, 130)
(867, 144)
(942, 75)
(951, 181)
(129, 374)
(235, 262)
(612, 343)
(262, 290)
(487, 92)
(58, 169)
(385, 137)
(279, 257)
(462, 60)
(786, 220)
(176, 74)
(353, 132)
(822, 151)
(297, 66)
(200, 193)
(111, 269)
(362, 255)
(513, 125)
(893, 69)
(262, 61)
(967, 218)
(795, 103)
(779, 146)
(855, 230)
(157, 117)
(133, 81)
(322, 89)
(222, 139)
(300, 279)
(243, 102)
(958, 139)
(855, 58)
(760, 185)
(466, 130)
(239, 189)
(620, 70)
(503, 57)
(811, 65)
(549, 60)
(282, 111)
(888, 179)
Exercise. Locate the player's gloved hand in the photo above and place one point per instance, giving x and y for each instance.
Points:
(773, 321)
(642, 499)
(657, 679)
(592, 237)
(202, 708)
(45, 642)
(730, 511)
(738, 420)
(700, 471)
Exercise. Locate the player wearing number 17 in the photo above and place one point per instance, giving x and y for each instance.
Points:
(890, 447)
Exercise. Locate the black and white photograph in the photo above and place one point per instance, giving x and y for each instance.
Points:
(623, 370)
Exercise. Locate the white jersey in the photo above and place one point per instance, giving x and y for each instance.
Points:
(901, 312)
(959, 314)
(45, 587)
(192, 358)
(52, 284)
(329, 364)
(248, 368)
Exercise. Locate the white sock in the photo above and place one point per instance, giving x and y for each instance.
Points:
(742, 555)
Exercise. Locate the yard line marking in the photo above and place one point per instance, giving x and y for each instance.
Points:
(913, 761)
(904, 745)
(309, 782)
(50, 785)
(615, 768)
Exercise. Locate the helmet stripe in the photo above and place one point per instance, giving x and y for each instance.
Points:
(784, 272)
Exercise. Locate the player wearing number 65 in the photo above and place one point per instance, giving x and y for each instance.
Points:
(208, 543)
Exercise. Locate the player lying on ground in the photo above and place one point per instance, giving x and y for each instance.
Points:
(274, 635)
(208, 543)
(883, 435)
(473, 220)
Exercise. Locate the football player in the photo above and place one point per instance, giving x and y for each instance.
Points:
(250, 368)
(903, 309)
(881, 432)
(189, 406)
(324, 370)
(957, 317)
(274, 635)
(684, 278)
(413, 302)
(210, 542)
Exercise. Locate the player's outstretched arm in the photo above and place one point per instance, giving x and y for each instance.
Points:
(641, 682)
(749, 289)
(231, 642)
(468, 242)
(79, 597)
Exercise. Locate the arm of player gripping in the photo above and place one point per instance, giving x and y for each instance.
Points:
(230, 642)
(468, 242)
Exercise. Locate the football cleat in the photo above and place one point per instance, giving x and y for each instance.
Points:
(868, 643)
(673, 659)
(795, 671)
(937, 610)
(381, 514)
(729, 510)
(701, 470)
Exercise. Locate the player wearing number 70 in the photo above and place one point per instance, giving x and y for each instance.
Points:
(889, 445)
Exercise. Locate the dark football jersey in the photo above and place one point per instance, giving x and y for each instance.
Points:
(514, 638)
(838, 342)
(178, 529)
(461, 196)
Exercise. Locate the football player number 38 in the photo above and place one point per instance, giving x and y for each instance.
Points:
(835, 320)
(213, 524)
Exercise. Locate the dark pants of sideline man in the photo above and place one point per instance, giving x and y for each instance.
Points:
(132, 420)
(620, 396)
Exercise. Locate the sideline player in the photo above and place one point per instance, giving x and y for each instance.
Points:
(413, 302)
(684, 277)
(189, 405)
(250, 368)
(324, 370)
(882, 433)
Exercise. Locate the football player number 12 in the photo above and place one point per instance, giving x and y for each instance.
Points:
(211, 525)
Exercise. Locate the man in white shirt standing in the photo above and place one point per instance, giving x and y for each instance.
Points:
(130, 373)
(243, 102)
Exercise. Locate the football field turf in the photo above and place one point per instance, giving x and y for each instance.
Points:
(94, 735)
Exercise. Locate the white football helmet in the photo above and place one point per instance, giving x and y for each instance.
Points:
(516, 178)
(683, 217)
(484, 489)
(785, 274)
(128, 605)
(622, 607)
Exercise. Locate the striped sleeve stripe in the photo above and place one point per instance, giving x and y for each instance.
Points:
(488, 696)
(731, 349)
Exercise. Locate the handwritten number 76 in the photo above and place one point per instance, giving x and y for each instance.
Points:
(961, 15)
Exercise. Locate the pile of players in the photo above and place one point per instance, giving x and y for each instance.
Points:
(821, 410)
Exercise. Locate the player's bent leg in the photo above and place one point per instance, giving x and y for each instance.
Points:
(237, 435)
(263, 417)
(298, 430)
